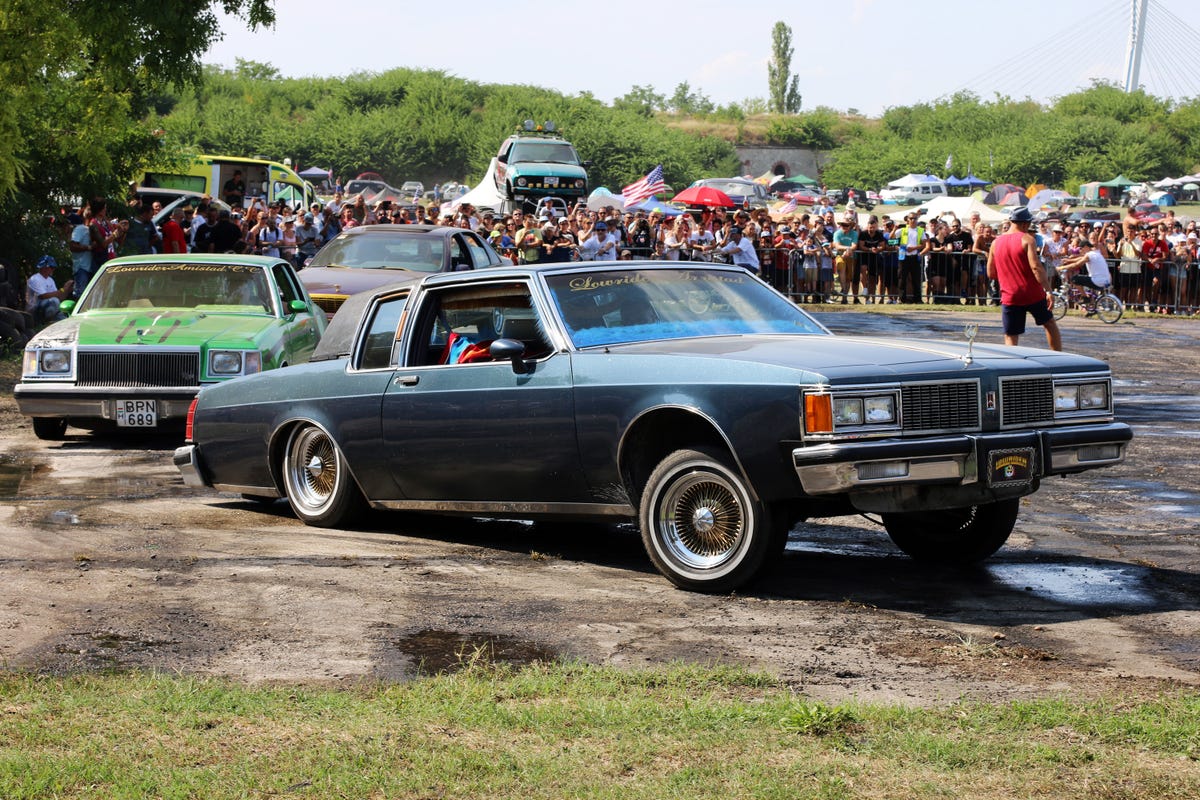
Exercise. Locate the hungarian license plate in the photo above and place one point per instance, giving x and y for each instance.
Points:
(137, 413)
(550, 180)
(1010, 467)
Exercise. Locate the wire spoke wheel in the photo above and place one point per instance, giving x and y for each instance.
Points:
(701, 524)
(1109, 308)
(1060, 305)
(702, 521)
(318, 484)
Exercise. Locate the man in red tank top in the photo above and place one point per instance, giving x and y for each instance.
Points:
(1024, 286)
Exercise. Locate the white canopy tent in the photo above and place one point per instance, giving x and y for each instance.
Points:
(961, 207)
(485, 195)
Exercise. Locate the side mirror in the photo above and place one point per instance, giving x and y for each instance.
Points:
(511, 350)
(66, 306)
(297, 306)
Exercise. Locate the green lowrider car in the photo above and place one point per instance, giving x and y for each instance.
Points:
(150, 331)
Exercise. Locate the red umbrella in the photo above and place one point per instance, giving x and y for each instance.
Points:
(703, 196)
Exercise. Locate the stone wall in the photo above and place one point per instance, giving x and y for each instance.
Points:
(781, 160)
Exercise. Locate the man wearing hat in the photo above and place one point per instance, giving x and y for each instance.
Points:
(42, 295)
(1098, 275)
(600, 245)
(1024, 285)
(741, 250)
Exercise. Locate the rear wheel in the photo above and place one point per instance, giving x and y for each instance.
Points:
(1109, 308)
(701, 525)
(318, 483)
(1060, 305)
(955, 535)
(50, 428)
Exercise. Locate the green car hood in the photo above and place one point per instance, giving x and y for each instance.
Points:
(529, 168)
(166, 327)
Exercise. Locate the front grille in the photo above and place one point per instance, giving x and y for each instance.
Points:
(329, 303)
(940, 406)
(139, 368)
(1026, 400)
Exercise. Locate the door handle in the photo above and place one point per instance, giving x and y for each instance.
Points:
(407, 380)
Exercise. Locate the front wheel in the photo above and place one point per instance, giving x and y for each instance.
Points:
(955, 535)
(318, 482)
(701, 525)
(1109, 308)
(1060, 305)
(52, 429)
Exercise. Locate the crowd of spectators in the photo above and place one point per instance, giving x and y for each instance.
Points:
(815, 256)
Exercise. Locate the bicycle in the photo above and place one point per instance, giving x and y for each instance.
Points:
(1100, 303)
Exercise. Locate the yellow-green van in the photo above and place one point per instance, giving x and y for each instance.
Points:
(261, 178)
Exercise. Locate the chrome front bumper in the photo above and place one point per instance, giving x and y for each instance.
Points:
(848, 466)
(99, 402)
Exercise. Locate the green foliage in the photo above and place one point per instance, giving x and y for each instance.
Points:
(642, 100)
(811, 129)
(425, 125)
(684, 101)
(782, 85)
(77, 81)
(1089, 135)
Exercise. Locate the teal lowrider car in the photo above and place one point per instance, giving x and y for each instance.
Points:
(150, 331)
(694, 400)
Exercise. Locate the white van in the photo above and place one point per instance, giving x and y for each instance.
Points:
(913, 194)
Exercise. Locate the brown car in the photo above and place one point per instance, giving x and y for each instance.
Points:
(369, 256)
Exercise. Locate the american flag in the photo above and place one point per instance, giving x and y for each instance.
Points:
(788, 207)
(648, 186)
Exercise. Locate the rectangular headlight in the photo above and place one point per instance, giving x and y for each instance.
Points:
(225, 362)
(847, 411)
(1093, 395)
(56, 362)
(253, 362)
(1066, 397)
(879, 410)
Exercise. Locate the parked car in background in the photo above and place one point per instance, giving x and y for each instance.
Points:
(367, 256)
(1146, 211)
(412, 190)
(742, 191)
(694, 399)
(149, 331)
(1088, 215)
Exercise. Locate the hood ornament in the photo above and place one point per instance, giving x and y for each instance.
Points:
(970, 330)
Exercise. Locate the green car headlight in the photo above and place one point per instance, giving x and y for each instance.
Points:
(579, 184)
(1093, 396)
(521, 181)
(225, 362)
(55, 362)
(847, 411)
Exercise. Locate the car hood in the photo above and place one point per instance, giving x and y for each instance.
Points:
(547, 168)
(151, 326)
(862, 357)
(350, 280)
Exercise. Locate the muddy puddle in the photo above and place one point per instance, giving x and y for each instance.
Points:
(438, 651)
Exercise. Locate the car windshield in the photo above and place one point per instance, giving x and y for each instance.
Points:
(215, 288)
(389, 250)
(548, 152)
(607, 307)
(731, 187)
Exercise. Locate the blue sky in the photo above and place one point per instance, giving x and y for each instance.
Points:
(860, 54)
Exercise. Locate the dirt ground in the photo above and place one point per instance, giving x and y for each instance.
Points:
(107, 561)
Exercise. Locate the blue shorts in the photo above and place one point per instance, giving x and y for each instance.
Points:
(1014, 316)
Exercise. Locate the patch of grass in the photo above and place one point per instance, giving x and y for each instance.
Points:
(573, 730)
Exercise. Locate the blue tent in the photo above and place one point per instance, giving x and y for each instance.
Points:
(1165, 199)
(953, 181)
(974, 180)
